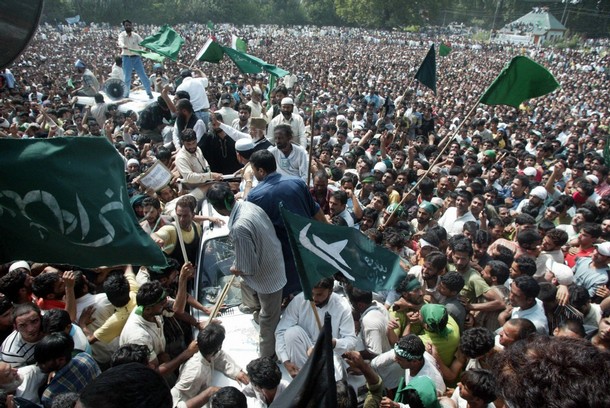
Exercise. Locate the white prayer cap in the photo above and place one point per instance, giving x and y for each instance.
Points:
(19, 264)
(287, 101)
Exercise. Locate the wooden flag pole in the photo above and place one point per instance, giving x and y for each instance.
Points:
(220, 299)
(181, 240)
(315, 313)
(404, 198)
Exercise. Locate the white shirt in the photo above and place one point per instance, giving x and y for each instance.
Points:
(296, 164)
(390, 372)
(374, 323)
(196, 90)
(295, 122)
(454, 224)
(129, 42)
(140, 331)
(534, 314)
(299, 313)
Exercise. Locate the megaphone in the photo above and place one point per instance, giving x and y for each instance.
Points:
(18, 23)
(114, 88)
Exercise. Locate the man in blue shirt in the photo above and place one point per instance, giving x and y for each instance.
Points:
(273, 189)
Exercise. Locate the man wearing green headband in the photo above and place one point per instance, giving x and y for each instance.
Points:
(407, 361)
(423, 221)
(145, 326)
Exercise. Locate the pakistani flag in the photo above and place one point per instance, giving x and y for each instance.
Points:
(210, 52)
(166, 42)
(238, 44)
(520, 80)
(426, 74)
(444, 50)
(64, 200)
(320, 250)
(249, 64)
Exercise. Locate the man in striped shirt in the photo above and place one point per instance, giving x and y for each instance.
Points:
(258, 260)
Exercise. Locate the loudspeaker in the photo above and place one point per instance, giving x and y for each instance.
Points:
(114, 88)
(18, 23)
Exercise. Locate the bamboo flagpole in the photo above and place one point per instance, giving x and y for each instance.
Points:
(313, 116)
(405, 196)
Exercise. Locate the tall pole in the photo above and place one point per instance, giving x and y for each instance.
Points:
(565, 9)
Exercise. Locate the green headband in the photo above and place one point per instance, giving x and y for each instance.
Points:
(405, 354)
(369, 179)
(140, 308)
(413, 284)
(428, 207)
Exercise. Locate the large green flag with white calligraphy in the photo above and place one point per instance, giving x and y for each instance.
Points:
(64, 200)
(321, 250)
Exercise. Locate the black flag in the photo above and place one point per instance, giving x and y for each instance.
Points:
(315, 385)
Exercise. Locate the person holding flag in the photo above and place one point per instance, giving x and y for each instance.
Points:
(128, 42)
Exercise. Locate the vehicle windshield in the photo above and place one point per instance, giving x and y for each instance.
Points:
(216, 259)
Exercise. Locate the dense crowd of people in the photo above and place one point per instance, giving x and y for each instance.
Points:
(500, 217)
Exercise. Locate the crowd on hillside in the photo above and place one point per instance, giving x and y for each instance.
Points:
(500, 217)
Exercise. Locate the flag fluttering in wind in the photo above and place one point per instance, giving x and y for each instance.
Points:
(75, 211)
(210, 25)
(444, 50)
(520, 80)
(238, 44)
(426, 74)
(315, 384)
(249, 64)
(153, 56)
(166, 42)
(320, 250)
(246, 63)
(210, 52)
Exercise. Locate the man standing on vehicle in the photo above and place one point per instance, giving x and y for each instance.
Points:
(128, 42)
(258, 260)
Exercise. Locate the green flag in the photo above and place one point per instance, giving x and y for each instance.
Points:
(444, 50)
(210, 52)
(320, 250)
(166, 42)
(520, 80)
(238, 44)
(150, 55)
(249, 64)
(272, 81)
(64, 200)
(426, 74)
(210, 25)
(607, 152)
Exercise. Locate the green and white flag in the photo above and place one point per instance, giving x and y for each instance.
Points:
(210, 52)
(64, 200)
(238, 44)
(444, 50)
(321, 250)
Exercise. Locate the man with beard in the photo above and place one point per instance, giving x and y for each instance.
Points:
(297, 330)
(190, 162)
(186, 119)
(423, 220)
(338, 207)
(455, 217)
(291, 119)
(291, 158)
(219, 149)
(128, 41)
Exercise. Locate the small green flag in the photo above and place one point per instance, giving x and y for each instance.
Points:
(210, 52)
(426, 74)
(74, 212)
(153, 56)
(249, 64)
(520, 80)
(166, 42)
(210, 25)
(444, 50)
(69, 83)
(272, 80)
(238, 44)
(320, 250)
